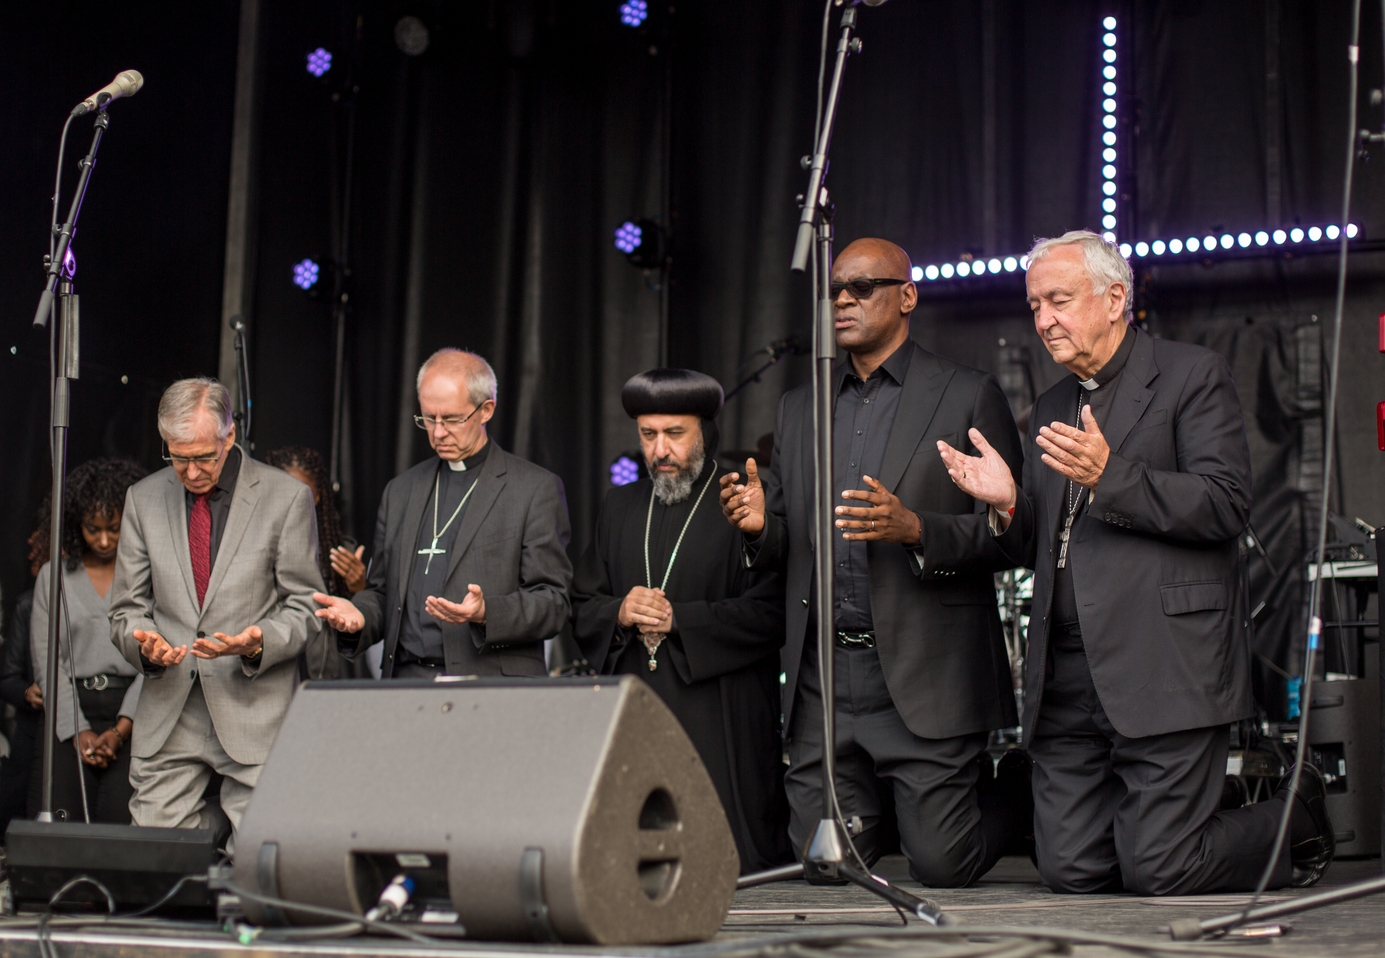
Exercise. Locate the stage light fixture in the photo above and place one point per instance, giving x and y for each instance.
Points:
(1109, 23)
(1193, 244)
(1109, 104)
(1109, 171)
(1108, 121)
(1109, 56)
(411, 36)
(1242, 240)
(1108, 88)
(1125, 248)
(1314, 233)
(1108, 222)
(947, 271)
(1209, 242)
(1010, 264)
(1141, 248)
(319, 62)
(1108, 138)
(633, 12)
(1108, 188)
(1110, 238)
(1109, 205)
(1351, 231)
(963, 268)
(916, 273)
(1108, 72)
(1296, 234)
(1279, 237)
(1333, 232)
(1109, 39)
(1109, 155)
(624, 471)
(1157, 247)
(1261, 238)
(1175, 246)
(993, 264)
(629, 236)
(305, 274)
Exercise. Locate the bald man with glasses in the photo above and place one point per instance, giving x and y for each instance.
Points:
(471, 572)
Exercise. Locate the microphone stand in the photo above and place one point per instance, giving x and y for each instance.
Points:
(777, 352)
(62, 267)
(825, 860)
(242, 415)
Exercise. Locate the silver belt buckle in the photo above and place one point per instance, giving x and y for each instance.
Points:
(96, 683)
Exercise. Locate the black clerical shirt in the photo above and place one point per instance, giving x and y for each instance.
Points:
(219, 502)
(420, 633)
(861, 424)
(1097, 392)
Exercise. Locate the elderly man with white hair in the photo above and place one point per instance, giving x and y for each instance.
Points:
(212, 602)
(1136, 487)
(471, 572)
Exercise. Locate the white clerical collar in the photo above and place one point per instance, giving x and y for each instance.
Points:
(1091, 385)
(456, 465)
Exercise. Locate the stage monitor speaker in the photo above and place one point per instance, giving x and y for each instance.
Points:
(526, 809)
(139, 866)
(1344, 736)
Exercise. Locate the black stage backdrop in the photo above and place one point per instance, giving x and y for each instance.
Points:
(490, 172)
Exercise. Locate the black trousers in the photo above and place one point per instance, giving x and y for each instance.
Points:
(15, 767)
(947, 836)
(108, 789)
(1138, 814)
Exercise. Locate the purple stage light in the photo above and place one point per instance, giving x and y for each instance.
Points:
(319, 62)
(305, 274)
(633, 12)
(624, 471)
(629, 237)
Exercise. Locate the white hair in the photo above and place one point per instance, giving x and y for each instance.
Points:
(182, 402)
(480, 378)
(1104, 262)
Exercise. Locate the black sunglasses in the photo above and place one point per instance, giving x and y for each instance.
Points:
(863, 288)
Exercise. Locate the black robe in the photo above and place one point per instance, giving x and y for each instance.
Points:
(719, 670)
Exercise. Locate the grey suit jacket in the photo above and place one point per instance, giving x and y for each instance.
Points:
(937, 627)
(512, 542)
(265, 574)
(1154, 556)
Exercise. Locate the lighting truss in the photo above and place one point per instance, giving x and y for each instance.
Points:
(1169, 250)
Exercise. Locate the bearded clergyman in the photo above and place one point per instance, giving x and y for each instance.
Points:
(662, 592)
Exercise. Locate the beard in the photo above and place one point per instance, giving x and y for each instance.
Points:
(673, 489)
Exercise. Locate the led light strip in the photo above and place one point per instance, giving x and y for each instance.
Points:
(1108, 136)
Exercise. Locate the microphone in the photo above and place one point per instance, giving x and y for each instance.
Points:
(788, 346)
(127, 83)
(237, 323)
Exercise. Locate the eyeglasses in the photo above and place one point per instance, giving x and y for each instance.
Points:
(447, 422)
(863, 288)
(182, 462)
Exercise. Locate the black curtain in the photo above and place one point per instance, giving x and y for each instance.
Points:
(490, 172)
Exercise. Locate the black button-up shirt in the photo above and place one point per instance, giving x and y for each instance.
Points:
(420, 633)
(864, 414)
(1098, 392)
(219, 501)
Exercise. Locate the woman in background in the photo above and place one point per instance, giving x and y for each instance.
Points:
(93, 733)
(343, 571)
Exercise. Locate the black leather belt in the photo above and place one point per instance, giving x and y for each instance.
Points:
(856, 640)
(405, 657)
(97, 683)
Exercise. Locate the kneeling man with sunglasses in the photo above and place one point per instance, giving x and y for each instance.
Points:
(922, 675)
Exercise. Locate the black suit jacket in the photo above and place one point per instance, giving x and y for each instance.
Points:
(1154, 556)
(512, 542)
(937, 628)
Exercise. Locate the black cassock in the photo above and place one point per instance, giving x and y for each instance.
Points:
(719, 670)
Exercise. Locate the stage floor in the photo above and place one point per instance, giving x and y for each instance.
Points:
(1009, 896)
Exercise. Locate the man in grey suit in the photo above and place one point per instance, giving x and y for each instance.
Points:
(1137, 485)
(471, 570)
(212, 601)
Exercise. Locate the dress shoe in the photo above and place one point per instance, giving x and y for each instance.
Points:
(1312, 845)
(1014, 784)
(1234, 793)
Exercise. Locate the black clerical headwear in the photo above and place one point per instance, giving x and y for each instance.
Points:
(676, 392)
(671, 392)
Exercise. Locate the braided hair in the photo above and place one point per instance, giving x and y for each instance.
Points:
(309, 461)
(95, 488)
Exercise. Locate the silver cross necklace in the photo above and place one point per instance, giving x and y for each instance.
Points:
(1073, 496)
(652, 640)
(433, 550)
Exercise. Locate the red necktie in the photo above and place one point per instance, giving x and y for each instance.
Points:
(200, 544)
